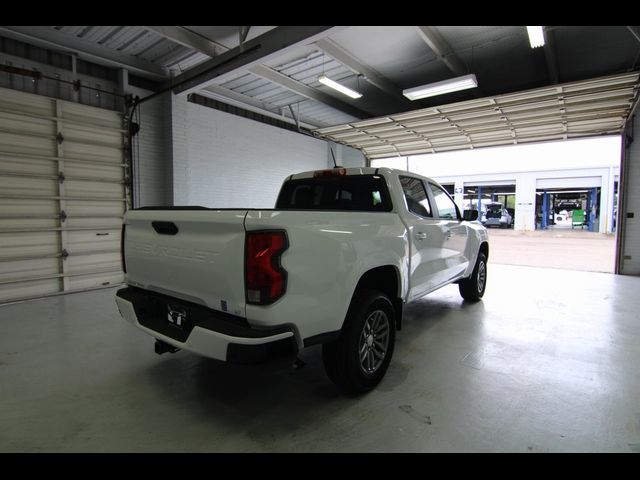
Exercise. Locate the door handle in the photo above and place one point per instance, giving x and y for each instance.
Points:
(421, 235)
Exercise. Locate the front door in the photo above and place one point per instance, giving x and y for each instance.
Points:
(455, 232)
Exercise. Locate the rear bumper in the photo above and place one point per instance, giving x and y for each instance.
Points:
(495, 221)
(207, 332)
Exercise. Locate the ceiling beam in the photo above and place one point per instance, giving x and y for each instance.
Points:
(442, 49)
(306, 91)
(635, 31)
(187, 38)
(243, 32)
(269, 45)
(370, 75)
(445, 53)
(51, 39)
(253, 104)
(550, 56)
(170, 58)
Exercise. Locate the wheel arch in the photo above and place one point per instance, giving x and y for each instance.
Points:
(385, 279)
(484, 248)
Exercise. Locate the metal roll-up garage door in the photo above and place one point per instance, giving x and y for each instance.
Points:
(62, 196)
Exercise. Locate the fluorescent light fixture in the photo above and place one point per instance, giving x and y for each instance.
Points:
(336, 86)
(536, 36)
(438, 88)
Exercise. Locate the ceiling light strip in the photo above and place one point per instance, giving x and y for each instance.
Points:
(339, 87)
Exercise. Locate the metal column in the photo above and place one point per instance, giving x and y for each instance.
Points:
(592, 203)
(544, 222)
(614, 208)
(480, 200)
(64, 239)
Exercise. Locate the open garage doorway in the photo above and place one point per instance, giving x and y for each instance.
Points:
(566, 208)
(578, 176)
(496, 204)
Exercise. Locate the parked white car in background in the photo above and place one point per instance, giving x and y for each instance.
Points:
(495, 215)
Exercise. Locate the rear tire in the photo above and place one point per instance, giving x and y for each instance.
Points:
(358, 360)
(472, 288)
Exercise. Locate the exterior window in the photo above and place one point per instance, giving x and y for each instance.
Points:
(416, 196)
(446, 207)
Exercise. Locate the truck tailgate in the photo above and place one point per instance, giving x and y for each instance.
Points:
(199, 259)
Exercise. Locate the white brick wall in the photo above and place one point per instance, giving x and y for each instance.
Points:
(154, 182)
(632, 225)
(349, 157)
(223, 160)
(179, 152)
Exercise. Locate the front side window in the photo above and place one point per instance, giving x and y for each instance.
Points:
(416, 196)
(446, 207)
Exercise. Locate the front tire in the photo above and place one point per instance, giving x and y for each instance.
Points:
(472, 288)
(358, 360)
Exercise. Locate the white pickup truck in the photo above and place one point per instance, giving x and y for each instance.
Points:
(332, 264)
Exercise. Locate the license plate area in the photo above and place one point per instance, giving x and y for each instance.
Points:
(177, 315)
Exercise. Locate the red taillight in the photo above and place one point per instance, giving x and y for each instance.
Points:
(265, 279)
(124, 264)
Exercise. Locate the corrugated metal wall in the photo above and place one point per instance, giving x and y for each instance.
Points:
(62, 90)
(62, 195)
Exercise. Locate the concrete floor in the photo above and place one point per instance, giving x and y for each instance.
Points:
(548, 362)
(554, 248)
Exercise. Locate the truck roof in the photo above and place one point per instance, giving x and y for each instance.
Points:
(360, 171)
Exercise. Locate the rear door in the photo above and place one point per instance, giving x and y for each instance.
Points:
(425, 237)
(454, 231)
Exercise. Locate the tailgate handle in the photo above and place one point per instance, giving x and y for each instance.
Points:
(165, 228)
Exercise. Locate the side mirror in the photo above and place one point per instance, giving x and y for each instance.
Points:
(470, 215)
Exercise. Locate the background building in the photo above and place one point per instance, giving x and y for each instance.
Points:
(584, 170)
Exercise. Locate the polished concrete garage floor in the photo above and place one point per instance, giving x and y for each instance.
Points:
(554, 248)
(548, 362)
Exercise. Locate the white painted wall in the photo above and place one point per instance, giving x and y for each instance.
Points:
(630, 262)
(345, 156)
(153, 169)
(525, 217)
(223, 160)
(350, 157)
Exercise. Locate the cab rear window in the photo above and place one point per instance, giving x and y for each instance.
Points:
(364, 193)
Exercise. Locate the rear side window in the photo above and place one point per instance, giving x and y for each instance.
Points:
(416, 196)
(364, 193)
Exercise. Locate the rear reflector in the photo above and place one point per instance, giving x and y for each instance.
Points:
(265, 279)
